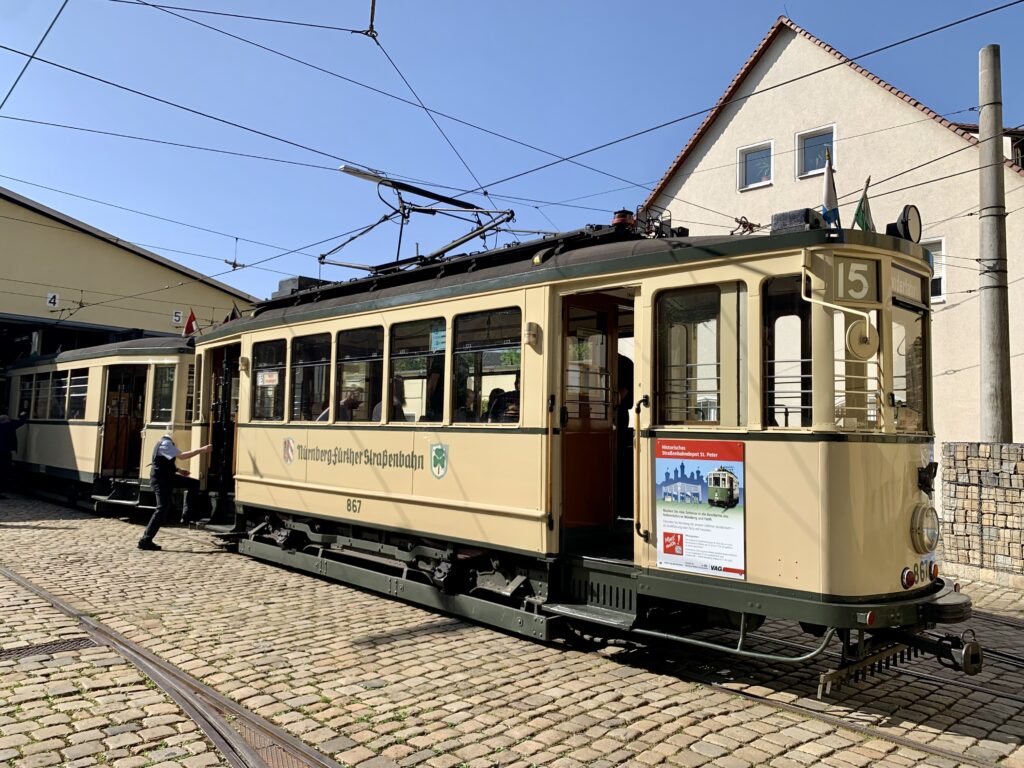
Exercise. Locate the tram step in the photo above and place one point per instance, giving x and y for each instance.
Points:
(607, 617)
(122, 502)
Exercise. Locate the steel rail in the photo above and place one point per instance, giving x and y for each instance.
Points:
(993, 619)
(873, 732)
(913, 672)
(207, 708)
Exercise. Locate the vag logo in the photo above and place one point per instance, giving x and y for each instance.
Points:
(438, 460)
(288, 450)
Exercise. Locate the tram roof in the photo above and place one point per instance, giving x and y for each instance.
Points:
(155, 345)
(586, 252)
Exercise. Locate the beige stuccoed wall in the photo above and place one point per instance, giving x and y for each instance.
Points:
(856, 105)
(39, 255)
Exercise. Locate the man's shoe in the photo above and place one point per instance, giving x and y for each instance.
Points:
(149, 545)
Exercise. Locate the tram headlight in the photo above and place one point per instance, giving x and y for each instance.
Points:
(924, 529)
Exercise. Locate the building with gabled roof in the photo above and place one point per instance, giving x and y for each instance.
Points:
(753, 156)
(67, 285)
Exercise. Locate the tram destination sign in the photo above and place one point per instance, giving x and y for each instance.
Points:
(907, 285)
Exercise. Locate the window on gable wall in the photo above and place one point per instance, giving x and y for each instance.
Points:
(937, 249)
(755, 166)
(811, 148)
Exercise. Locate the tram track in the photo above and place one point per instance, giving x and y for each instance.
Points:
(244, 739)
(741, 689)
(838, 721)
(962, 683)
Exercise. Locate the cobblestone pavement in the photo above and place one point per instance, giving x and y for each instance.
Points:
(84, 705)
(377, 683)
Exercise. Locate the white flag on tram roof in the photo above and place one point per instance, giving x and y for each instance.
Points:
(829, 200)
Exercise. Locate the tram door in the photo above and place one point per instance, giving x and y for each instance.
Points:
(223, 430)
(123, 421)
(590, 441)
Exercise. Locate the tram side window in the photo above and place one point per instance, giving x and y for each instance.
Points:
(688, 363)
(417, 370)
(41, 402)
(77, 393)
(909, 386)
(311, 374)
(787, 354)
(58, 395)
(197, 387)
(360, 374)
(163, 394)
(487, 358)
(25, 394)
(268, 382)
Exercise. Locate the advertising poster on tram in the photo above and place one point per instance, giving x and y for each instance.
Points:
(699, 505)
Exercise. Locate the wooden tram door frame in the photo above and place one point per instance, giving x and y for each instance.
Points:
(121, 449)
(587, 426)
(224, 403)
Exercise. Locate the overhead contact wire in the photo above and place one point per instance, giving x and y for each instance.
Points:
(190, 110)
(843, 61)
(32, 57)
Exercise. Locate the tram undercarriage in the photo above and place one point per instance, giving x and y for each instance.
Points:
(549, 598)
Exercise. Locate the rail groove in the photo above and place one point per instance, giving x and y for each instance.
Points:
(243, 738)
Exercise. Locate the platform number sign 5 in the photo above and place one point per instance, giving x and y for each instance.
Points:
(856, 279)
(53, 300)
(176, 317)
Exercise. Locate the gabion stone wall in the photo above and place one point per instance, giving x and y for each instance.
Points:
(983, 506)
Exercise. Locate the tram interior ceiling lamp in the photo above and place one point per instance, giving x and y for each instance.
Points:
(907, 226)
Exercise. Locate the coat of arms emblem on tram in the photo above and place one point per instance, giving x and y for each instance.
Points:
(438, 460)
(288, 450)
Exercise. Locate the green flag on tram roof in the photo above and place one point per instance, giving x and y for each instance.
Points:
(862, 217)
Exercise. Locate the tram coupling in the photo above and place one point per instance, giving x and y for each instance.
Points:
(961, 652)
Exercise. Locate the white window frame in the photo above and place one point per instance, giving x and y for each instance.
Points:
(799, 150)
(741, 157)
(938, 266)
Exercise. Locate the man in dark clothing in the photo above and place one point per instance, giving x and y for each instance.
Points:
(8, 445)
(163, 476)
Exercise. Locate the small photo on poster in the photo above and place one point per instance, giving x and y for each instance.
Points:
(700, 507)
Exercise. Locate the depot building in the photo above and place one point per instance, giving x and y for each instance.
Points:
(66, 285)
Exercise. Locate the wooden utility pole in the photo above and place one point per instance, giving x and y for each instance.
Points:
(996, 410)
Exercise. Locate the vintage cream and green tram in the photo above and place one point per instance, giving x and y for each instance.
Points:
(95, 414)
(525, 436)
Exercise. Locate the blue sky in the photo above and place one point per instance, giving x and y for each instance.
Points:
(563, 76)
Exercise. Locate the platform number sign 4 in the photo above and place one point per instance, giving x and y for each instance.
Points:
(856, 279)
(177, 317)
(53, 300)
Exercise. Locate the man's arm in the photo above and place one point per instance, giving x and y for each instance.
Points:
(189, 454)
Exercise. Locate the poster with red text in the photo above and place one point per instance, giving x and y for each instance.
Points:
(699, 507)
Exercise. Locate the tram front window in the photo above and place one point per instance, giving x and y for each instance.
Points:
(909, 385)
